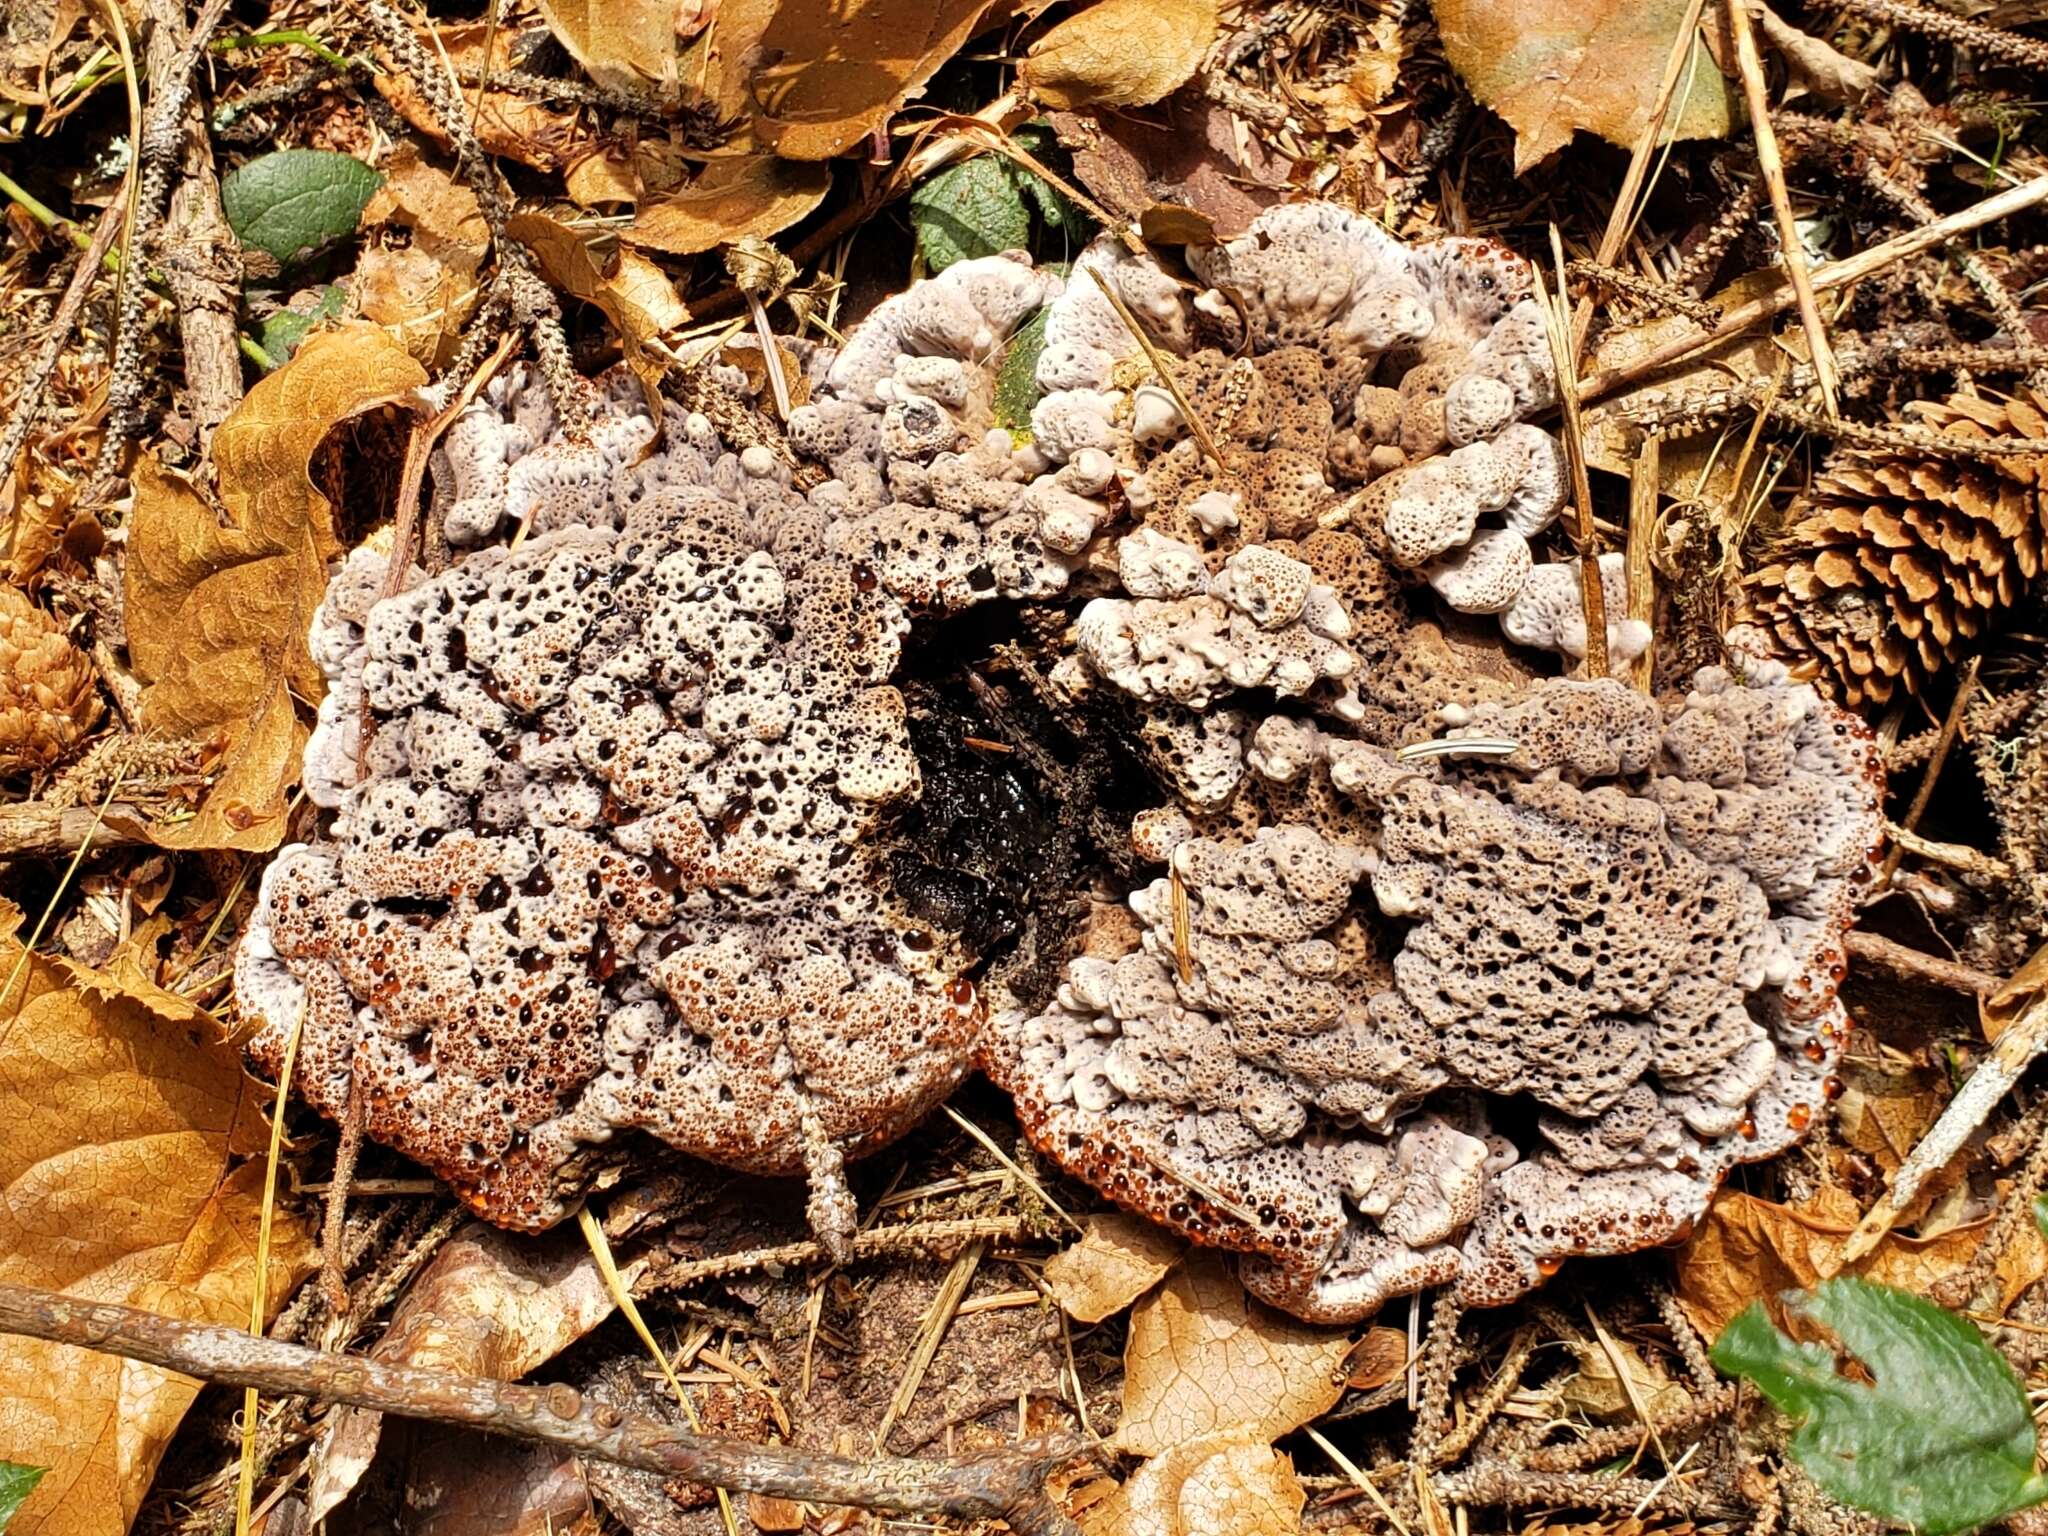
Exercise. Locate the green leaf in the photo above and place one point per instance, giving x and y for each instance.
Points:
(16, 1484)
(990, 204)
(1942, 1442)
(297, 200)
(285, 329)
(1017, 379)
(2041, 1213)
(972, 209)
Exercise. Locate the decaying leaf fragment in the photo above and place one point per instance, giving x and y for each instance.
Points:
(218, 613)
(1223, 1482)
(1120, 53)
(1551, 67)
(127, 1174)
(489, 1304)
(1118, 1259)
(635, 295)
(817, 76)
(760, 195)
(543, 135)
(1749, 1250)
(620, 43)
(1204, 1358)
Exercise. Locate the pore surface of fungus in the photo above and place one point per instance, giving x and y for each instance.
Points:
(674, 802)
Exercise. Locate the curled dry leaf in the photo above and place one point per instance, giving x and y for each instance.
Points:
(1818, 69)
(532, 132)
(490, 1303)
(127, 1138)
(460, 1482)
(1120, 53)
(1203, 1357)
(218, 613)
(420, 299)
(1597, 1389)
(761, 195)
(1225, 1483)
(1118, 1259)
(1376, 1359)
(1178, 171)
(1749, 1249)
(634, 294)
(817, 76)
(49, 695)
(625, 44)
(1551, 67)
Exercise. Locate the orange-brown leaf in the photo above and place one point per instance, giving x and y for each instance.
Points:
(761, 196)
(1120, 53)
(125, 1124)
(1551, 67)
(218, 612)
(1118, 1259)
(1203, 1358)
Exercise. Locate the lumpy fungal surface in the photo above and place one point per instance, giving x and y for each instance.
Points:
(747, 786)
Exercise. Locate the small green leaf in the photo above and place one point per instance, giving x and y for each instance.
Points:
(297, 200)
(972, 209)
(2041, 1213)
(1017, 379)
(17, 1482)
(285, 329)
(1942, 1442)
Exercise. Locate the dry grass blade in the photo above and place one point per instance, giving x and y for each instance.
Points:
(1183, 924)
(1022, 1175)
(1642, 574)
(1359, 1479)
(1158, 361)
(1791, 247)
(1557, 326)
(938, 1318)
(245, 1485)
(1622, 217)
(1835, 274)
(601, 1251)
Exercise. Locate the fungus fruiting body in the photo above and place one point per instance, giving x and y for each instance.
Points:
(633, 823)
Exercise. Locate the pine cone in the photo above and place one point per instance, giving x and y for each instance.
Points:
(49, 698)
(1895, 558)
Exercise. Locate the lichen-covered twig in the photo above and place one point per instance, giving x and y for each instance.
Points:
(1903, 960)
(1007, 1486)
(28, 399)
(162, 136)
(2011, 47)
(1835, 274)
(2014, 1051)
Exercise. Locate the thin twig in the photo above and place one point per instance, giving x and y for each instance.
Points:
(1009, 1485)
(1904, 960)
(1592, 596)
(1160, 367)
(1791, 247)
(1834, 274)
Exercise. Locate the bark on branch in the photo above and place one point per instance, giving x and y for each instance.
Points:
(1009, 1486)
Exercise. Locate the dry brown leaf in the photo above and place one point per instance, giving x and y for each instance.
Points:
(425, 199)
(762, 196)
(532, 132)
(1596, 1388)
(1228, 1483)
(126, 1131)
(1693, 467)
(817, 76)
(462, 1482)
(620, 43)
(1883, 1111)
(600, 180)
(217, 615)
(1118, 1259)
(1203, 1356)
(1749, 1249)
(1120, 53)
(1343, 104)
(1817, 68)
(635, 294)
(491, 1303)
(1550, 67)
(1173, 166)
(417, 297)
(1376, 1359)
